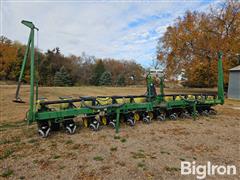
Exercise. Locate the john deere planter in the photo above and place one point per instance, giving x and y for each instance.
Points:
(112, 110)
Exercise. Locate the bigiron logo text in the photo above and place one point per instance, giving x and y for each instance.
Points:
(208, 169)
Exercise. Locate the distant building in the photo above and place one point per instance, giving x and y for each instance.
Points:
(234, 83)
(156, 72)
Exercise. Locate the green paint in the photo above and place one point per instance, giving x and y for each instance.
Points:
(117, 120)
(161, 88)
(220, 79)
(30, 45)
(31, 101)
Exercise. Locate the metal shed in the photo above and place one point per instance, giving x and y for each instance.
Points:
(234, 83)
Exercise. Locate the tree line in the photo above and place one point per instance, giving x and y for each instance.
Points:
(189, 47)
(55, 69)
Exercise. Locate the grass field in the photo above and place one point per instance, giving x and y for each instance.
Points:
(151, 151)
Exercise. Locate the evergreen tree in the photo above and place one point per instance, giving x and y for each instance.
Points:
(120, 80)
(106, 79)
(58, 79)
(99, 69)
(62, 78)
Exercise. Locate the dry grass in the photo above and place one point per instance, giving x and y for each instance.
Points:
(142, 152)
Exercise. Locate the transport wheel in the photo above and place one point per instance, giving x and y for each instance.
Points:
(185, 114)
(173, 116)
(70, 126)
(212, 111)
(130, 122)
(55, 126)
(161, 117)
(146, 119)
(136, 116)
(112, 123)
(94, 125)
(205, 113)
(43, 129)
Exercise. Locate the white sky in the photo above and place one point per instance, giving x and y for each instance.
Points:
(117, 29)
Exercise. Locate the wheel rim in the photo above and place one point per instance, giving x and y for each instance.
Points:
(97, 126)
(205, 113)
(93, 127)
(173, 116)
(41, 133)
(74, 129)
(161, 117)
(131, 122)
(71, 130)
(212, 112)
(112, 124)
(184, 114)
(43, 129)
(147, 120)
(44, 133)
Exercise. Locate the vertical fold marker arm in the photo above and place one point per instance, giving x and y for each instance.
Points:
(162, 88)
(30, 46)
(32, 77)
(220, 78)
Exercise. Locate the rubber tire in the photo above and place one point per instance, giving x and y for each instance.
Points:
(43, 129)
(185, 115)
(212, 112)
(147, 120)
(112, 124)
(130, 122)
(70, 126)
(161, 117)
(205, 113)
(173, 116)
(94, 126)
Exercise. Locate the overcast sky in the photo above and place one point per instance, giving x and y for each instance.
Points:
(118, 29)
